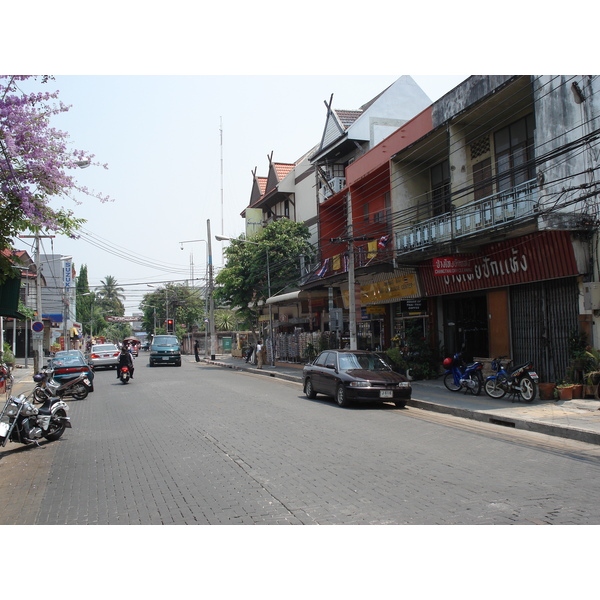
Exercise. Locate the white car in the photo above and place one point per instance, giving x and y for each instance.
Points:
(104, 355)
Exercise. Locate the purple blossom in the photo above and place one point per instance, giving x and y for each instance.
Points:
(35, 159)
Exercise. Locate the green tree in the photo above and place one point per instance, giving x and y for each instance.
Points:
(182, 303)
(243, 282)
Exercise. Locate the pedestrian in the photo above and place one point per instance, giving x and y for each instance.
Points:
(249, 353)
(197, 351)
(259, 354)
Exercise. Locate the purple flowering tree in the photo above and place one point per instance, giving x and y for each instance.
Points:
(36, 164)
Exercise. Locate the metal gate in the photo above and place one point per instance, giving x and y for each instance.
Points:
(543, 315)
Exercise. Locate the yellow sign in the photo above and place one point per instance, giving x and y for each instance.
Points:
(390, 289)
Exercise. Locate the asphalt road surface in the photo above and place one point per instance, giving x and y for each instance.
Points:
(205, 445)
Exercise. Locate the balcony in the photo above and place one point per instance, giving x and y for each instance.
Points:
(334, 185)
(504, 209)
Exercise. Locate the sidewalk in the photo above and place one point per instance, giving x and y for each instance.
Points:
(573, 419)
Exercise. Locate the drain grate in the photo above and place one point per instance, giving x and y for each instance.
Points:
(502, 422)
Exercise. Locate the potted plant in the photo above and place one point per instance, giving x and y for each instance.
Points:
(565, 391)
(592, 376)
(7, 356)
(547, 390)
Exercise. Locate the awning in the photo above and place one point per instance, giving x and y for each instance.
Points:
(54, 317)
(296, 296)
(9, 299)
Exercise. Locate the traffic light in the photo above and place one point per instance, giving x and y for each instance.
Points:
(170, 326)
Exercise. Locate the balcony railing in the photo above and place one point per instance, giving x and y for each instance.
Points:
(503, 208)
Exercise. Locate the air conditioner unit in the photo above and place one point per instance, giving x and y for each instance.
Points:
(591, 295)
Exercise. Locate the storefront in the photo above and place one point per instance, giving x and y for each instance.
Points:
(517, 298)
(380, 299)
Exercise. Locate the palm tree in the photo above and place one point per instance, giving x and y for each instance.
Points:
(110, 294)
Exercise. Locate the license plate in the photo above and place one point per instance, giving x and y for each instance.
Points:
(4, 427)
(533, 375)
(86, 381)
(165, 358)
(386, 394)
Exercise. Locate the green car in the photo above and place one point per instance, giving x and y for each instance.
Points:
(165, 350)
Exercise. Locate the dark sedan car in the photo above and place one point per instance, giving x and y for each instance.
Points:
(355, 375)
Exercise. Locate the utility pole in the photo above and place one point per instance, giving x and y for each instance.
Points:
(38, 340)
(350, 239)
(211, 299)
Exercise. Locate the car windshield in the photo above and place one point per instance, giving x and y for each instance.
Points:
(67, 361)
(165, 340)
(104, 348)
(372, 362)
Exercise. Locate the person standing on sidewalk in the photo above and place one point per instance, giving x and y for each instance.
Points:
(259, 354)
(197, 351)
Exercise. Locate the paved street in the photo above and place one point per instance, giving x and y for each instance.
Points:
(205, 445)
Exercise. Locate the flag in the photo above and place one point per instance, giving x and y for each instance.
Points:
(323, 268)
(383, 242)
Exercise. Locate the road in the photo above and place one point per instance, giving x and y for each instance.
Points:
(205, 445)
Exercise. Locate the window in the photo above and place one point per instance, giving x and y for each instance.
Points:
(482, 179)
(440, 188)
(514, 153)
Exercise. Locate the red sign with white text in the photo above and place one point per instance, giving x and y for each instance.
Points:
(452, 265)
(534, 257)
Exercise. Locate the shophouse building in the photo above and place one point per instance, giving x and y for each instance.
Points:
(478, 220)
(308, 189)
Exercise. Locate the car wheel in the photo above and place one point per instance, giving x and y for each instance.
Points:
(341, 397)
(309, 390)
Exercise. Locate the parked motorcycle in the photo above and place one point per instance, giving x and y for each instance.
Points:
(48, 387)
(23, 423)
(6, 378)
(462, 376)
(521, 381)
(124, 374)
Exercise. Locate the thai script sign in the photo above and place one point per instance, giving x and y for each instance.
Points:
(452, 265)
(534, 257)
(123, 319)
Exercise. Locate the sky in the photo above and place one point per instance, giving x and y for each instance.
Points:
(180, 152)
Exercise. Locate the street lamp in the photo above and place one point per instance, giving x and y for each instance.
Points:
(220, 238)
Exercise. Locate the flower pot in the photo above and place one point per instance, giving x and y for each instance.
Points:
(589, 390)
(578, 391)
(565, 393)
(546, 391)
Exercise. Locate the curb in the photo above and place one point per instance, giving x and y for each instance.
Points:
(253, 370)
(572, 433)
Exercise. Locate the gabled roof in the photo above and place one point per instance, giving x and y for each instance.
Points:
(259, 185)
(277, 172)
(389, 110)
(347, 117)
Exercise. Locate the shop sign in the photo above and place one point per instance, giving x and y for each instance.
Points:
(534, 257)
(413, 306)
(123, 319)
(387, 290)
(375, 310)
(452, 265)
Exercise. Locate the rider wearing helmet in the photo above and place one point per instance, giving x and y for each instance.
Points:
(125, 360)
